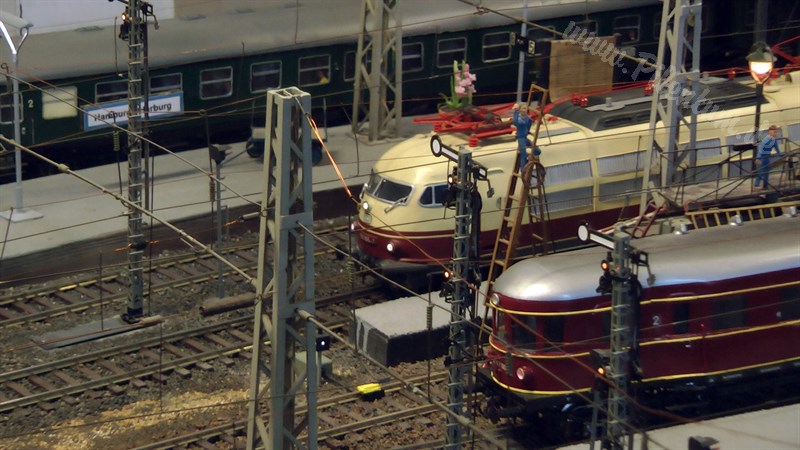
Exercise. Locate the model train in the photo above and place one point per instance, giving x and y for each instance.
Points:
(722, 310)
(593, 155)
(207, 83)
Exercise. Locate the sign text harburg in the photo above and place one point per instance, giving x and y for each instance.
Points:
(117, 112)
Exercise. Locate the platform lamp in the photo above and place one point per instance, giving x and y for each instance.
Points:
(760, 60)
(19, 213)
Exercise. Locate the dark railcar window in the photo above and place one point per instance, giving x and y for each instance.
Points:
(522, 334)
(728, 312)
(216, 83)
(680, 318)
(450, 50)
(349, 72)
(7, 108)
(265, 75)
(387, 190)
(496, 47)
(434, 195)
(108, 92)
(553, 328)
(412, 57)
(789, 308)
(628, 28)
(314, 70)
(166, 83)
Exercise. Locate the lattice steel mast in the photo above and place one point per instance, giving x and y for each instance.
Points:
(681, 24)
(379, 70)
(286, 211)
(136, 241)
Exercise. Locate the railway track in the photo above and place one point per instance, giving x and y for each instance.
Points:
(137, 364)
(95, 289)
(342, 414)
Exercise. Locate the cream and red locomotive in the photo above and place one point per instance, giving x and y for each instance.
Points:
(593, 155)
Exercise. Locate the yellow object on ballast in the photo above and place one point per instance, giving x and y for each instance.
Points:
(369, 388)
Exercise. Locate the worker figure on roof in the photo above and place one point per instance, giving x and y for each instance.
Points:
(765, 148)
(523, 123)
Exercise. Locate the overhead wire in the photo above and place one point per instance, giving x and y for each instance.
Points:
(329, 155)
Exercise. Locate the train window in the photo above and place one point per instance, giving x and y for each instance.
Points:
(60, 102)
(314, 70)
(349, 72)
(450, 50)
(789, 307)
(412, 57)
(680, 318)
(628, 28)
(538, 34)
(569, 199)
(265, 75)
(500, 325)
(628, 162)
(728, 312)
(565, 173)
(522, 331)
(216, 83)
(434, 195)
(553, 328)
(619, 190)
(387, 190)
(7, 107)
(496, 47)
(166, 83)
(108, 92)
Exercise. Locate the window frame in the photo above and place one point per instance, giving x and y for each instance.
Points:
(498, 45)
(170, 88)
(439, 52)
(301, 71)
(7, 107)
(406, 57)
(253, 90)
(113, 96)
(204, 83)
(618, 28)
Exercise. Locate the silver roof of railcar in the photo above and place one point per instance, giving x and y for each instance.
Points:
(723, 252)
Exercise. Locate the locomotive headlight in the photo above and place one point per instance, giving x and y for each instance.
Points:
(365, 206)
(390, 247)
(495, 299)
(524, 373)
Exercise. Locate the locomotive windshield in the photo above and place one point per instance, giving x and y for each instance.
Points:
(385, 189)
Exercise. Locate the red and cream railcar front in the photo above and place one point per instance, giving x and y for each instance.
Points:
(725, 305)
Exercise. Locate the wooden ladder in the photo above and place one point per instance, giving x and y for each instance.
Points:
(518, 199)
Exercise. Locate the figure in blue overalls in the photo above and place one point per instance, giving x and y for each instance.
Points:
(523, 122)
(764, 150)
